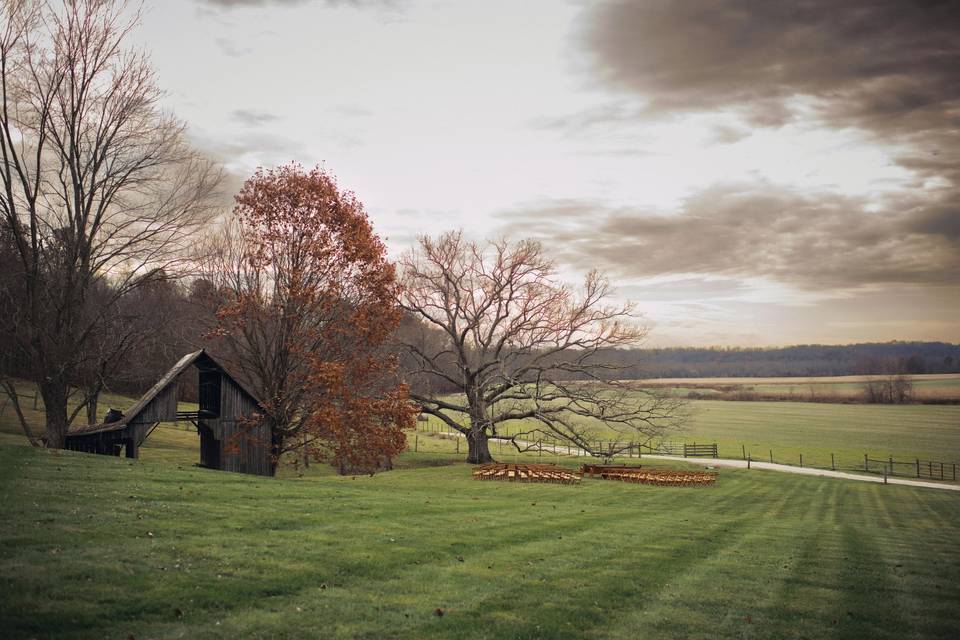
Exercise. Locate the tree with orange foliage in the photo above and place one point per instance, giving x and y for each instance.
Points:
(309, 301)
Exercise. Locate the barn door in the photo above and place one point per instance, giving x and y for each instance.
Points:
(209, 447)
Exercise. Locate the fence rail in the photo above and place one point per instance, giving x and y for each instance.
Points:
(934, 470)
(916, 468)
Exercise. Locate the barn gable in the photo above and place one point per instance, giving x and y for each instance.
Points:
(233, 435)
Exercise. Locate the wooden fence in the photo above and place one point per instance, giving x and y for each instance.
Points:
(916, 468)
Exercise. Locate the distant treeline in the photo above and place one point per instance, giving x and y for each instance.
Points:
(799, 360)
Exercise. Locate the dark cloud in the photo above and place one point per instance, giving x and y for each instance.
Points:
(252, 117)
(890, 68)
(877, 64)
(820, 241)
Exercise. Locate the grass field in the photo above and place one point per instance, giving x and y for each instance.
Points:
(928, 432)
(906, 432)
(100, 547)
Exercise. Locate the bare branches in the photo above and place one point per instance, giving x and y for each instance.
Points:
(520, 345)
(99, 190)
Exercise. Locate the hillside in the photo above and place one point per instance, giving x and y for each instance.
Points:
(94, 547)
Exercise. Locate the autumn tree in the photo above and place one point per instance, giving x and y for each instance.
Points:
(518, 346)
(99, 192)
(309, 301)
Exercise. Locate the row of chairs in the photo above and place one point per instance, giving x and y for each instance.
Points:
(663, 478)
(526, 473)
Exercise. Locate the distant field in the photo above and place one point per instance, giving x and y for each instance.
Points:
(927, 388)
(948, 378)
(99, 547)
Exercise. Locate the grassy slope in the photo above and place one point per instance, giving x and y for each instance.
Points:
(758, 555)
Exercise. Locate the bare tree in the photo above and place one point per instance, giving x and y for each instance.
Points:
(100, 192)
(517, 345)
(894, 388)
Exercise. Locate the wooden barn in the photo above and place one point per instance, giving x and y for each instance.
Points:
(232, 438)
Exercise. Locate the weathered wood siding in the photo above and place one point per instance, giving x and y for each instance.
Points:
(162, 408)
(245, 446)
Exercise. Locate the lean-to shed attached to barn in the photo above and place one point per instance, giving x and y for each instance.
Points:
(229, 420)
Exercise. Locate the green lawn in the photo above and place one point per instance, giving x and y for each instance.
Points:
(100, 547)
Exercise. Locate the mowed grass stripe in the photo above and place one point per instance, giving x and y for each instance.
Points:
(611, 560)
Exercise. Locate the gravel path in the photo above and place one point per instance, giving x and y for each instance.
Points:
(807, 471)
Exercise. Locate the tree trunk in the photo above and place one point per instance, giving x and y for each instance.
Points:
(54, 395)
(92, 402)
(478, 449)
(12, 395)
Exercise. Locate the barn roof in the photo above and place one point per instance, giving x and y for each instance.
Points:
(166, 380)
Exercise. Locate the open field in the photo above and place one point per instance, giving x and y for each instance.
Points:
(906, 432)
(93, 546)
(930, 388)
(928, 432)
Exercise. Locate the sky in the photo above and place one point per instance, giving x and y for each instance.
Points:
(747, 172)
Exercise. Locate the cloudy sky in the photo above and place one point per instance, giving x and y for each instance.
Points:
(749, 172)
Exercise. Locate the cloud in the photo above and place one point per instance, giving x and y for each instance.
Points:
(243, 152)
(726, 134)
(232, 49)
(882, 65)
(813, 241)
(252, 117)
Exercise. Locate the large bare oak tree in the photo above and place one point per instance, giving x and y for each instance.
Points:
(99, 192)
(505, 341)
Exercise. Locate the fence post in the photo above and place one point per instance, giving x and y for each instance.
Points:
(918, 467)
(801, 460)
(833, 465)
(771, 456)
(416, 440)
(743, 451)
(749, 459)
(891, 466)
(865, 466)
(941, 471)
(684, 449)
(884, 474)
(458, 445)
